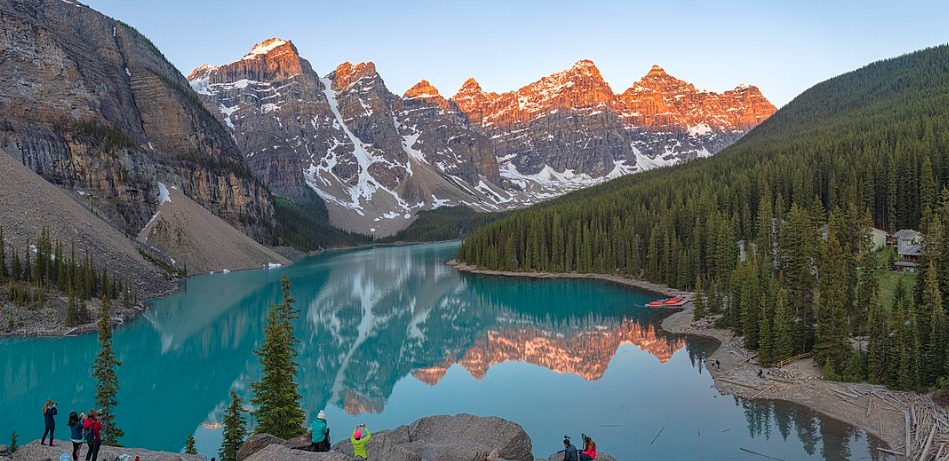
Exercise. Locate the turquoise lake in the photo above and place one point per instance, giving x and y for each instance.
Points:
(391, 334)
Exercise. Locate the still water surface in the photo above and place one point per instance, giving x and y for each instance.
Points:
(391, 334)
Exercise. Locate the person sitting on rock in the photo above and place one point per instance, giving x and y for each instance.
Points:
(359, 439)
(570, 451)
(589, 449)
(321, 433)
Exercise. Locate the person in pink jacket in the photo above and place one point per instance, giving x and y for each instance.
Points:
(589, 449)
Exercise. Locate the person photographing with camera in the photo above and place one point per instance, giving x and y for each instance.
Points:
(49, 411)
(589, 448)
(359, 439)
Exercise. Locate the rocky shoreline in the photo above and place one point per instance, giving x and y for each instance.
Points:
(801, 382)
(461, 437)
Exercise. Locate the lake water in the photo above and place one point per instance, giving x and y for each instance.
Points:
(391, 334)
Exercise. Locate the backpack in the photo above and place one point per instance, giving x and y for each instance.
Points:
(87, 433)
(63, 456)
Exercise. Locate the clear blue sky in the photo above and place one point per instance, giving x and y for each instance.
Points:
(783, 47)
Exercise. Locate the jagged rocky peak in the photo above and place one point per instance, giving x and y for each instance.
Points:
(657, 79)
(273, 59)
(346, 74)
(424, 91)
(585, 67)
(580, 86)
(265, 47)
(471, 100)
(659, 100)
(656, 70)
(201, 71)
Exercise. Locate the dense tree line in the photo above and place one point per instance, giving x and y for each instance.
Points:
(868, 148)
(446, 223)
(44, 265)
(305, 226)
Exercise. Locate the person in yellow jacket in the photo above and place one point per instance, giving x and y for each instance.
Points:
(359, 439)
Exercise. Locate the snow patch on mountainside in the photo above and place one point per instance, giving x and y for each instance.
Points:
(263, 48)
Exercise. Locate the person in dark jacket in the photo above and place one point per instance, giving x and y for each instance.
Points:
(570, 451)
(93, 431)
(75, 434)
(49, 410)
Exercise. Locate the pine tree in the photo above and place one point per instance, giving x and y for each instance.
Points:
(3, 257)
(766, 325)
(701, 309)
(831, 346)
(276, 396)
(72, 317)
(107, 380)
(783, 342)
(15, 269)
(934, 350)
(878, 347)
(797, 246)
(235, 429)
(189, 445)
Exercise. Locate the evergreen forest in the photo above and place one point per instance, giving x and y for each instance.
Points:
(774, 232)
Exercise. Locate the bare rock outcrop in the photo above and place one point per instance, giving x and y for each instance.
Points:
(461, 437)
(35, 452)
(89, 104)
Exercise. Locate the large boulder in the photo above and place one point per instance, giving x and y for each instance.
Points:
(256, 443)
(278, 452)
(468, 437)
(303, 442)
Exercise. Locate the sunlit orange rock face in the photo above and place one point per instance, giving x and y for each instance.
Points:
(432, 375)
(269, 60)
(347, 73)
(424, 91)
(657, 100)
(355, 403)
(585, 354)
(661, 100)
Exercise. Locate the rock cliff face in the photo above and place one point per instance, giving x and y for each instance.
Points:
(377, 158)
(571, 127)
(374, 158)
(91, 105)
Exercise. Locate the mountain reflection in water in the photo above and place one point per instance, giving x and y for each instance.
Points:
(391, 334)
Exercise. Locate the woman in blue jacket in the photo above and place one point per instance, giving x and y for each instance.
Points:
(75, 434)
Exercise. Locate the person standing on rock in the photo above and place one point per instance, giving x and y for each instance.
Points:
(75, 434)
(92, 431)
(321, 433)
(570, 451)
(359, 439)
(49, 411)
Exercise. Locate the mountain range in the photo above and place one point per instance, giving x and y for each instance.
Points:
(377, 158)
(274, 148)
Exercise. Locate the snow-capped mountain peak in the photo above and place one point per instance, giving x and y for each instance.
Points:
(376, 158)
